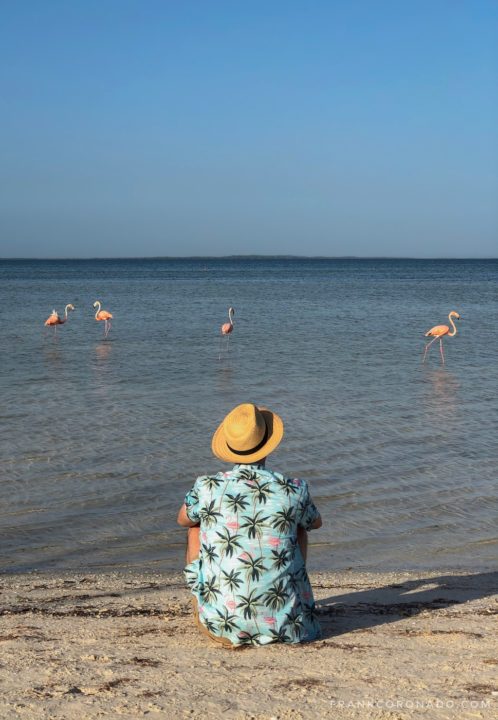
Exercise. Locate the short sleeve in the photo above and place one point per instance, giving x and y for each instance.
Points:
(308, 511)
(192, 503)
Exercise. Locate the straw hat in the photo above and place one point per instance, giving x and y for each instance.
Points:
(247, 434)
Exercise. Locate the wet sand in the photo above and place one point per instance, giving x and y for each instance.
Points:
(122, 645)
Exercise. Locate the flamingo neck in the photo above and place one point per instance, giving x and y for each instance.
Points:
(65, 311)
(98, 309)
(454, 331)
(230, 317)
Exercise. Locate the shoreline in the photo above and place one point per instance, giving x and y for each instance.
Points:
(78, 645)
(175, 572)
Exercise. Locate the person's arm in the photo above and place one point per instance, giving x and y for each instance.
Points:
(188, 515)
(310, 518)
(183, 519)
(302, 535)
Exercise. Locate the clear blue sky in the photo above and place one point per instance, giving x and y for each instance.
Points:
(174, 127)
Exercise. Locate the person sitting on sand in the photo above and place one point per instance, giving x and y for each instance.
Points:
(247, 539)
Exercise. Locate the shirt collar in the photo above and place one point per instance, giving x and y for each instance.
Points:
(255, 466)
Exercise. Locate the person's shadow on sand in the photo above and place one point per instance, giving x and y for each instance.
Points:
(362, 609)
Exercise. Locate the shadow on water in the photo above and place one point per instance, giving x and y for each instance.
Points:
(362, 609)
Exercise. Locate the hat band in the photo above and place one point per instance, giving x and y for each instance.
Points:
(252, 450)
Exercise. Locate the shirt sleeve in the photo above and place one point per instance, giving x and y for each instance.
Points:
(192, 503)
(308, 511)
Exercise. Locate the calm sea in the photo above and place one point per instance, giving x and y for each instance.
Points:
(101, 438)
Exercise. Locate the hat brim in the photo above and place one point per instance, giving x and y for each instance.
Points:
(275, 429)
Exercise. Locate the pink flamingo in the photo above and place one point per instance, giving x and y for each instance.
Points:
(227, 328)
(54, 319)
(439, 331)
(103, 315)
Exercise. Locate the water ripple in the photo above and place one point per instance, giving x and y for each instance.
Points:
(101, 439)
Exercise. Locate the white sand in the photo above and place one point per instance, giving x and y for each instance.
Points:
(122, 645)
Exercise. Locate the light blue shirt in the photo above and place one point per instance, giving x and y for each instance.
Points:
(250, 580)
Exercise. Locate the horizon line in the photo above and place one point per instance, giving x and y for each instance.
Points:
(250, 256)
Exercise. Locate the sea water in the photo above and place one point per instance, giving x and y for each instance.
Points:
(101, 438)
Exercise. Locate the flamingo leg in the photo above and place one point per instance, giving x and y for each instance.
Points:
(441, 350)
(428, 346)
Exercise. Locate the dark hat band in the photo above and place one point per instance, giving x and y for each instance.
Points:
(252, 450)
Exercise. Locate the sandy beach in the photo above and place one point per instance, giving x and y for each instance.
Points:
(122, 645)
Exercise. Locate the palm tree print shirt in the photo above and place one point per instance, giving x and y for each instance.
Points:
(250, 580)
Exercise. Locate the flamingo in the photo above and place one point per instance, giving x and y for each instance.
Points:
(103, 315)
(227, 328)
(439, 331)
(55, 319)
